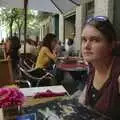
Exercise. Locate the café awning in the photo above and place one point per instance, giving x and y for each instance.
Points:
(53, 6)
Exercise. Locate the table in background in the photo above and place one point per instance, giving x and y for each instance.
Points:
(76, 70)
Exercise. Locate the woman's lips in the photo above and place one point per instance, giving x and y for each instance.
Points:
(87, 53)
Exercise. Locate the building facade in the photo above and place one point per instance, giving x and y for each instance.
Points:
(69, 25)
(89, 8)
(46, 26)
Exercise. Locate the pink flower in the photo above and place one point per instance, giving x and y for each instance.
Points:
(10, 96)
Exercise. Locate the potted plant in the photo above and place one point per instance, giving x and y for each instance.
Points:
(11, 100)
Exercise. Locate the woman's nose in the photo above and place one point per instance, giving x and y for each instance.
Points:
(87, 44)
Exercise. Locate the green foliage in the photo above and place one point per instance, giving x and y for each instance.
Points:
(13, 19)
(9, 17)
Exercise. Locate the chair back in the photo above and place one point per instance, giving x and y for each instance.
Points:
(2, 52)
(6, 76)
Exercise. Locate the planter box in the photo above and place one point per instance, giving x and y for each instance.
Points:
(11, 112)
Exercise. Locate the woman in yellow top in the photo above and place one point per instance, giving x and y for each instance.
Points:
(47, 53)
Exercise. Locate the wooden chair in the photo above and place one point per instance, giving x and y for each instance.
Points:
(6, 76)
(2, 52)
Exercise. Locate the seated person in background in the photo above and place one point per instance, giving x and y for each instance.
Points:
(47, 53)
(102, 91)
(30, 53)
(30, 47)
(7, 47)
(71, 49)
(12, 52)
(59, 49)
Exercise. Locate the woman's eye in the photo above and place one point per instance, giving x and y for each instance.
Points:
(83, 39)
(96, 40)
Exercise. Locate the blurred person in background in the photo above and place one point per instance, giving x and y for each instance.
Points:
(12, 47)
(47, 54)
(59, 49)
(71, 48)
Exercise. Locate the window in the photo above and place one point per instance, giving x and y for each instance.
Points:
(90, 8)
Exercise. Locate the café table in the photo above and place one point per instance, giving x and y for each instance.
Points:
(64, 109)
(29, 94)
(72, 74)
(62, 106)
(76, 69)
(71, 66)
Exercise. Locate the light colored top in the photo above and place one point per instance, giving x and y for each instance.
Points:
(44, 57)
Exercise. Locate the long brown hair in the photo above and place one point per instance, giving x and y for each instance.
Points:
(102, 24)
(48, 39)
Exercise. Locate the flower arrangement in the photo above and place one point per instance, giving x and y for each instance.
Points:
(10, 96)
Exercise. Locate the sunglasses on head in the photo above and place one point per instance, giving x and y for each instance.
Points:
(97, 18)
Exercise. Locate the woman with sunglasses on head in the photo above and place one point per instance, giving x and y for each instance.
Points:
(102, 91)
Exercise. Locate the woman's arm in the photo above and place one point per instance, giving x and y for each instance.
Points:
(50, 54)
(82, 97)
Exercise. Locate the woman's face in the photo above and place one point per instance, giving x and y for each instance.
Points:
(8, 45)
(94, 45)
(53, 44)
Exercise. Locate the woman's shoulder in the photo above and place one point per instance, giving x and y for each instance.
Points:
(44, 49)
